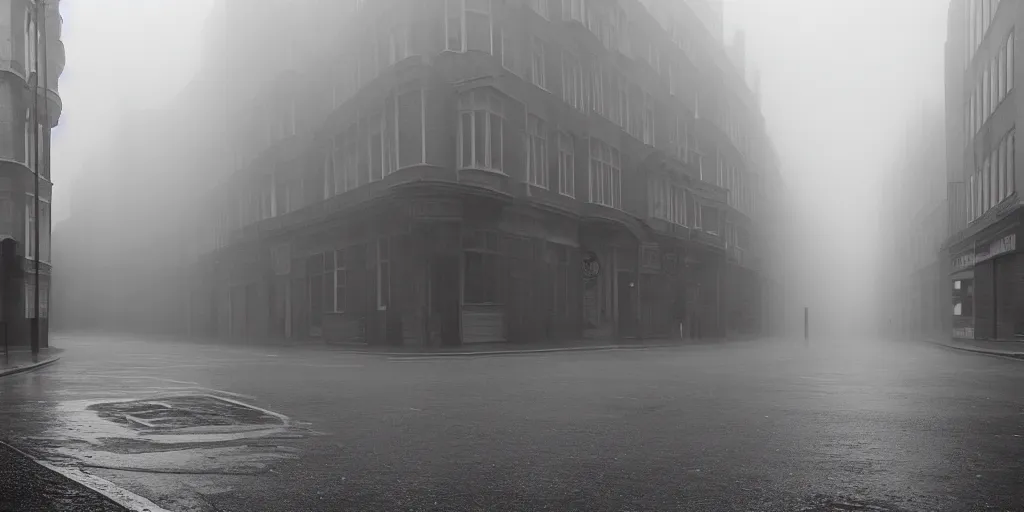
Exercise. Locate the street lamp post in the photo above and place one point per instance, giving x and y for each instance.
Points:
(39, 115)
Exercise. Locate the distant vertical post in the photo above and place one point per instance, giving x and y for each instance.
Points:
(807, 332)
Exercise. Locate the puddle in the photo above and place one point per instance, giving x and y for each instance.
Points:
(195, 433)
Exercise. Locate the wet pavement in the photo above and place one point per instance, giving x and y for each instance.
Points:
(863, 425)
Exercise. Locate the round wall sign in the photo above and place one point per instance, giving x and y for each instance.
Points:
(591, 267)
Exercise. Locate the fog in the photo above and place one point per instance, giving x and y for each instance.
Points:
(144, 96)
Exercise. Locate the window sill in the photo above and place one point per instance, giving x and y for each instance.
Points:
(484, 169)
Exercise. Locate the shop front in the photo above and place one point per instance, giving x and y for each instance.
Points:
(986, 286)
(996, 269)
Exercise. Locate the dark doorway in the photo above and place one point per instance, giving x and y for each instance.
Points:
(444, 301)
(626, 292)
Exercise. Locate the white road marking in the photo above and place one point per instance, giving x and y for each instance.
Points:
(119, 495)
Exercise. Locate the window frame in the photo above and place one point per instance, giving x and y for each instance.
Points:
(566, 164)
(489, 107)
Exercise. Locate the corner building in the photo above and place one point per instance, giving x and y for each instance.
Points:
(471, 171)
(22, 126)
(982, 107)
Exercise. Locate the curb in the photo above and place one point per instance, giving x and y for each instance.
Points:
(127, 500)
(28, 367)
(1010, 355)
(429, 355)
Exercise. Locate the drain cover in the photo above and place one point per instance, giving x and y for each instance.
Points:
(186, 412)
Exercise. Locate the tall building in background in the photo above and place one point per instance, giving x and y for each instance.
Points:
(27, 122)
(436, 172)
(915, 290)
(984, 180)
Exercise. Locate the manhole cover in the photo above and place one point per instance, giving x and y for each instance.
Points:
(186, 412)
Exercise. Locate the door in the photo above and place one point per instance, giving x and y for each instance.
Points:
(626, 288)
(444, 301)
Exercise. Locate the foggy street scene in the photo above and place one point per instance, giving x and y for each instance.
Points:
(487, 255)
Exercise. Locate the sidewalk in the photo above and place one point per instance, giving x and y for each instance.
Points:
(20, 360)
(1008, 348)
(502, 348)
(27, 485)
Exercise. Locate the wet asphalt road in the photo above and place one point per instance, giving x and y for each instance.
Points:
(745, 426)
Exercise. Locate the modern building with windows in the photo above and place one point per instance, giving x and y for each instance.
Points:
(28, 114)
(982, 110)
(443, 172)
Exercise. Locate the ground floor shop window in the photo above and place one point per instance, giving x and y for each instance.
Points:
(963, 297)
(482, 264)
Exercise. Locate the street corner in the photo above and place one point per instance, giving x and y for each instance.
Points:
(25, 365)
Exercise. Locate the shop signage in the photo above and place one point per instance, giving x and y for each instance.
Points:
(998, 247)
(591, 266)
(965, 260)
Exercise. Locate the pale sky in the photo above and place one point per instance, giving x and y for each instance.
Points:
(121, 55)
(841, 80)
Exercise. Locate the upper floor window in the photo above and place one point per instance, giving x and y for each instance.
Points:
(481, 127)
(605, 174)
(648, 120)
(566, 165)
(398, 44)
(537, 157)
(572, 81)
(542, 7)
(468, 25)
(537, 64)
(31, 41)
(574, 10)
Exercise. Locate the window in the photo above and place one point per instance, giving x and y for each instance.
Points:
(993, 85)
(340, 281)
(480, 130)
(648, 120)
(1002, 74)
(383, 274)
(709, 219)
(482, 266)
(508, 53)
(605, 174)
(31, 41)
(468, 25)
(411, 148)
(1009, 62)
(537, 71)
(566, 165)
(537, 161)
(572, 81)
(596, 89)
(993, 171)
(574, 10)
(398, 44)
(30, 227)
(542, 7)
(1011, 169)
(453, 27)
(986, 102)
(1002, 170)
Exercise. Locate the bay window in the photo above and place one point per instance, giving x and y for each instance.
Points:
(537, 157)
(481, 126)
